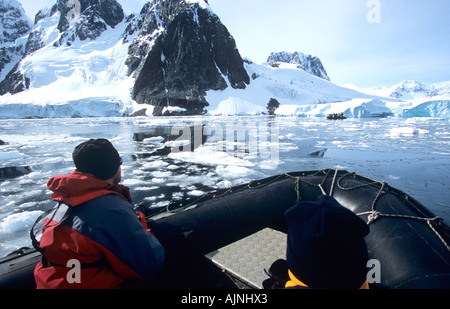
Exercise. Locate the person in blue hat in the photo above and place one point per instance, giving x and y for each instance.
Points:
(325, 246)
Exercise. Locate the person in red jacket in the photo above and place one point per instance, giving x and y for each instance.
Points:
(110, 242)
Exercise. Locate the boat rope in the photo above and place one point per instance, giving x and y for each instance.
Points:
(372, 215)
(333, 183)
(255, 184)
(297, 189)
(375, 215)
(323, 190)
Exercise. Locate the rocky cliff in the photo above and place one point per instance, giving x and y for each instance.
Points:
(14, 25)
(182, 51)
(87, 19)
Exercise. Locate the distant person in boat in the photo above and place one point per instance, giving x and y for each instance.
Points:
(326, 247)
(109, 240)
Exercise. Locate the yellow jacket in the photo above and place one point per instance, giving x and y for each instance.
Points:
(296, 282)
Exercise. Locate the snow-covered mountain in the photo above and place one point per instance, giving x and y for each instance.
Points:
(71, 70)
(413, 90)
(53, 45)
(308, 63)
(172, 57)
(167, 56)
(182, 51)
(415, 99)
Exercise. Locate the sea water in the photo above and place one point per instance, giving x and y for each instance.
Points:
(175, 158)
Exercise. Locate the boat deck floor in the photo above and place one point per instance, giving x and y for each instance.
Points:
(247, 258)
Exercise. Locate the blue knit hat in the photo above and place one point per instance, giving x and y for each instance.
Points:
(326, 247)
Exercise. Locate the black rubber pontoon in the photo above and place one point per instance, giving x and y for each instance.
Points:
(408, 240)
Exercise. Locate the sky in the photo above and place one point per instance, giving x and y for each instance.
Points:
(367, 43)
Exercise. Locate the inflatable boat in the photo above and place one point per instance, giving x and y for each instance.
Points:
(409, 243)
(336, 117)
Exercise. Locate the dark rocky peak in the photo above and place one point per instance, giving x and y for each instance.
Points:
(44, 13)
(153, 19)
(308, 63)
(182, 51)
(35, 40)
(87, 19)
(14, 26)
(14, 23)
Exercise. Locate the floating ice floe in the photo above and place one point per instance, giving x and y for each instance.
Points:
(406, 131)
(153, 140)
(4, 156)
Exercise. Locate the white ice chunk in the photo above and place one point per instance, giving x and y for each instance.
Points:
(19, 222)
(4, 156)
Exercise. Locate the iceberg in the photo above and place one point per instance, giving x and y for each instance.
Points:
(237, 106)
(370, 109)
(434, 109)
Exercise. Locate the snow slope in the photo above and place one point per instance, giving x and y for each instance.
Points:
(299, 93)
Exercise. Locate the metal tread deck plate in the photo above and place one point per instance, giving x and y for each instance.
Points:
(247, 258)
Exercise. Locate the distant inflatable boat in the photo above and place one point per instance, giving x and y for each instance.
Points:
(408, 240)
(336, 117)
